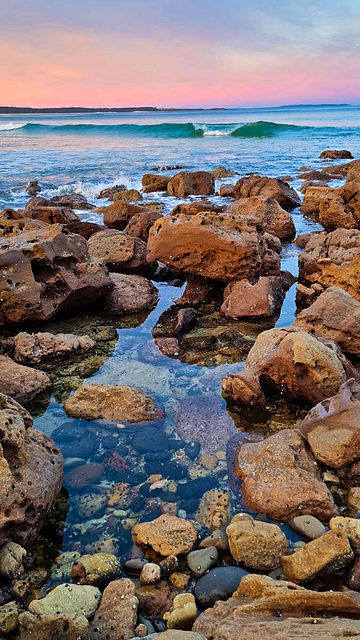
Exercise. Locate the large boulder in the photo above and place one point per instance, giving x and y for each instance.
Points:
(131, 293)
(117, 614)
(154, 182)
(197, 183)
(278, 610)
(46, 272)
(119, 251)
(267, 213)
(245, 299)
(41, 347)
(212, 246)
(10, 226)
(255, 185)
(140, 223)
(332, 427)
(335, 315)
(280, 477)
(332, 259)
(119, 214)
(21, 383)
(31, 472)
(72, 200)
(167, 535)
(337, 208)
(96, 402)
(291, 362)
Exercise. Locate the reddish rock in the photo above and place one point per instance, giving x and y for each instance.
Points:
(72, 200)
(264, 298)
(302, 239)
(196, 183)
(154, 182)
(119, 251)
(84, 229)
(211, 246)
(267, 214)
(84, 475)
(118, 215)
(332, 428)
(281, 478)
(335, 315)
(10, 226)
(131, 293)
(21, 383)
(254, 185)
(197, 206)
(332, 259)
(166, 535)
(52, 214)
(110, 191)
(129, 195)
(199, 290)
(141, 223)
(155, 600)
(46, 272)
(227, 190)
(116, 617)
(335, 154)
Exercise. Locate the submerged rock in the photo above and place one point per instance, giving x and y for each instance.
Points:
(167, 535)
(204, 418)
(95, 569)
(116, 616)
(259, 545)
(281, 478)
(218, 584)
(96, 401)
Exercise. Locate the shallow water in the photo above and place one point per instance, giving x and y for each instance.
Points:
(67, 157)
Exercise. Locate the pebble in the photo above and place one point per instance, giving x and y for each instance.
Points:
(168, 566)
(135, 566)
(179, 580)
(150, 573)
(9, 618)
(91, 504)
(218, 584)
(216, 539)
(201, 560)
(183, 612)
(307, 527)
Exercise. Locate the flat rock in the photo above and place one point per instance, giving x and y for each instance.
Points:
(54, 627)
(39, 347)
(68, 599)
(167, 535)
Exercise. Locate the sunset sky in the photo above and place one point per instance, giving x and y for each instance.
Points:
(179, 52)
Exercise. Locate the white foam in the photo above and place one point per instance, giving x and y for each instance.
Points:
(9, 126)
(91, 190)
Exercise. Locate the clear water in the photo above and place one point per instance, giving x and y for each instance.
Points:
(85, 153)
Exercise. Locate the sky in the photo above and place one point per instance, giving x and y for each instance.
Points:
(179, 53)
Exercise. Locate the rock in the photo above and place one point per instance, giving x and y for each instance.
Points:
(150, 573)
(167, 535)
(336, 207)
(89, 504)
(243, 299)
(72, 200)
(129, 195)
(110, 191)
(46, 272)
(227, 190)
(140, 224)
(217, 539)
(68, 599)
(353, 580)
(84, 229)
(353, 498)
(9, 618)
(293, 362)
(21, 383)
(96, 401)
(14, 419)
(196, 183)
(119, 251)
(329, 553)
(179, 580)
(332, 427)
(186, 320)
(193, 416)
(131, 293)
(36, 348)
(10, 227)
(351, 526)
(11, 560)
(172, 634)
(259, 545)
(82, 476)
(267, 213)
(119, 214)
(313, 197)
(116, 616)
(254, 609)
(33, 188)
(334, 315)
(222, 172)
(214, 509)
(333, 154)
(201, 560)
(95, 569)
(56, 627)
(194, 207)
(305, 296)
(281, 478)
(154, 182)
(155, 600)
(197, 290)
(307, 527)
(223, 251)
(218, 584)
(52, 214)
(182, 613)
(332, 259)
(254, 185)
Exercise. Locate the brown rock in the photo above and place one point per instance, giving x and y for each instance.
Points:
(182, 613)
(197, 206)
(96, 569)
(198, 290)
(116, 617)
(140, 224)
(119, 251)
(13, 227)
(281, 478)
(110, 191)
(196, 183)
(214, 509)
(96, 402)
(167, 535)
(351, 527)
(129, 195)
(130, 294)
(222, 172)
(267, 214)
(38, 347)
(14, 419)
(45, 272)
(329, 553)
(58, 627)
(211, 246)
(21, 383)
(150, 573)
(353, 498)
(332, 428)
(155, 600)
(52, 215)
(333, 154)
(154, 182)
(264, 298)
(33, 188)
(259, 545)
(302, 239)
(332, 259)
(354, 576)
(84, 229)
(72, 200)
(313, 197)
(254, 185)
(83, 475)
(227, 190)
(119, 214)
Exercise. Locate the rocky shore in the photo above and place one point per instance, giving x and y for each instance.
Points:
(152, 503)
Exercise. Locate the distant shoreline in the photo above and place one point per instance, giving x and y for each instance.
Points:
(29, 110)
